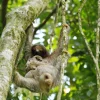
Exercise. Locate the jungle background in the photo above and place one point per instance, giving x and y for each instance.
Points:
(80, 74)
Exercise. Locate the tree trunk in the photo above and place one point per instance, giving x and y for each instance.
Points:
(13, 37)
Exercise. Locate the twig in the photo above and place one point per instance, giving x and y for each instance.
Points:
(80, 27)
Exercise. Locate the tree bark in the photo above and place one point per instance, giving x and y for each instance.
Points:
(13, 37)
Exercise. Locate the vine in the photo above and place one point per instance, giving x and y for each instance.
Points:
(64, 56)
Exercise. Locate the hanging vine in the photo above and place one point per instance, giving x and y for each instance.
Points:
(65, 55)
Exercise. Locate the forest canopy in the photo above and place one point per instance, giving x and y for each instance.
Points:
(81, 72)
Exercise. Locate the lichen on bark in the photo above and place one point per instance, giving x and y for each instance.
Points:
(11, 40)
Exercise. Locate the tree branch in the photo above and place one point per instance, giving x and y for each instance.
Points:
(12, 39)
(80, 28)
(46, 19)
(64, 57)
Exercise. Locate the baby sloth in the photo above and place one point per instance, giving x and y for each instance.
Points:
(35, 61)
(40, 77)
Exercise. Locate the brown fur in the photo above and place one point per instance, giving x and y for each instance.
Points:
(43, 73)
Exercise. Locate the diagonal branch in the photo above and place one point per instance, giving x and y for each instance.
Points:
(80, 28)
(12, 39)
(47, 18)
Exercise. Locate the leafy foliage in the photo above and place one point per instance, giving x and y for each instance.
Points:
(80, 74)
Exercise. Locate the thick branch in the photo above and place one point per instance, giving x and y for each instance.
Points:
(12, 38)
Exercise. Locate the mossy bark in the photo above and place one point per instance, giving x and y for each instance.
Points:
(12, 38)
